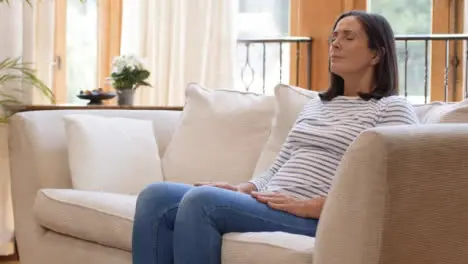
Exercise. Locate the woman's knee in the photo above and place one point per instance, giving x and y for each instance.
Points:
(203, 196)
(161, 193)
(152, 192)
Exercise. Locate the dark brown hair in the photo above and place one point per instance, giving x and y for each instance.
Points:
(382, 40)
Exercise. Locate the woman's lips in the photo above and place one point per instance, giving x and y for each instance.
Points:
(335, 57)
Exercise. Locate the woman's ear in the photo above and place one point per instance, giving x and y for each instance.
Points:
(377, 55)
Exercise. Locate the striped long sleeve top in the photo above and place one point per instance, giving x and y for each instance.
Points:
(307, 162)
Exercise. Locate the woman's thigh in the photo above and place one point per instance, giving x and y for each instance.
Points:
(159, 199)
(238, 212)
(153, 225)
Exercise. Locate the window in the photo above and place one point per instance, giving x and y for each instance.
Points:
(409, 18)
(85, 43)
(315, 18)
(86, 40)
(268, 64)
(263, 18)
(82, 47)
(427, 17)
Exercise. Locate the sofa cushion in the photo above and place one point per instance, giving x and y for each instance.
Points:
(103, 218)
(267, 247)
(42, 133)
(112, 154)
(451, 113)
(107, 219)
(422, 110)
(443, 112)
(219, 137)
(290, 101)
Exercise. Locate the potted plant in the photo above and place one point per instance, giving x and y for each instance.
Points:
(27, 1)
(13, 72)
(128, 73)
(8, 1)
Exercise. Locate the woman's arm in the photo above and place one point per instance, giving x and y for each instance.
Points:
(257, 183)
(262, 180)
(398, 111)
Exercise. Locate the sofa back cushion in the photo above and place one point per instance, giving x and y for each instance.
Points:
(219, 137)
(38, 139)
(443, 112)
(118, 155)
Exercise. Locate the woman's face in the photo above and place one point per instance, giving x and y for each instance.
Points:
(349, 50)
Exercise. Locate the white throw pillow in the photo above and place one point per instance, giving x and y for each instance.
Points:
(449, 112)
(290, 101)
(116, 155)
(220, 136)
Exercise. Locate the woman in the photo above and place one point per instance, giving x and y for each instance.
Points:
(176, 223)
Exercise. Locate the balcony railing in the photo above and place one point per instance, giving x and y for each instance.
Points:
(417, 70)
(263, 63)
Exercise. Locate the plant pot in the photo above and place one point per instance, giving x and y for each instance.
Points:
(125, 97)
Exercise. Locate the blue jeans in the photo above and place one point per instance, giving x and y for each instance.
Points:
(182, 224)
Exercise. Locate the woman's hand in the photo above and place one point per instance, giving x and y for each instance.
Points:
(302, 208)
(222, 185)
(243, 187)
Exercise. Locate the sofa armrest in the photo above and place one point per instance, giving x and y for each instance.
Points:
(38, 155)
(400, 196)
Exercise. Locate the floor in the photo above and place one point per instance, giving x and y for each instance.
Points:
(9, 260)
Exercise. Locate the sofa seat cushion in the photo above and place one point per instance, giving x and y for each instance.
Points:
(107, 219)
(103, 218)
(267, 247)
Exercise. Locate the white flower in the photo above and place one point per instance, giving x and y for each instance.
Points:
(126, 61)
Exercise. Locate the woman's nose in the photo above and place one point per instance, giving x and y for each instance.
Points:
(335, 44)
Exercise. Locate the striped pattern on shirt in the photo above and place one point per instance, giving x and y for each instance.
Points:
(309, 158)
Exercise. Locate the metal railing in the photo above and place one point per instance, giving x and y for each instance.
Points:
(263, 63)
(416, 69)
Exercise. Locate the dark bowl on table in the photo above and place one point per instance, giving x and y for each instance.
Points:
(96, 98)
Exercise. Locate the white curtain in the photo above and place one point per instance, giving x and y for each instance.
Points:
(43, 30)
(181, 41)
(28, 33)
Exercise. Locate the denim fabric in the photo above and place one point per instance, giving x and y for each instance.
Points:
(182, 224)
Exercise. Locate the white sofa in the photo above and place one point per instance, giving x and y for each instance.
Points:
(390, 202)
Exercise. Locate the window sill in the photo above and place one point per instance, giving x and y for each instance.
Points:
(27, 108)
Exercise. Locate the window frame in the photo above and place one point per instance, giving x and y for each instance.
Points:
(108, 45)
(305, 15)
